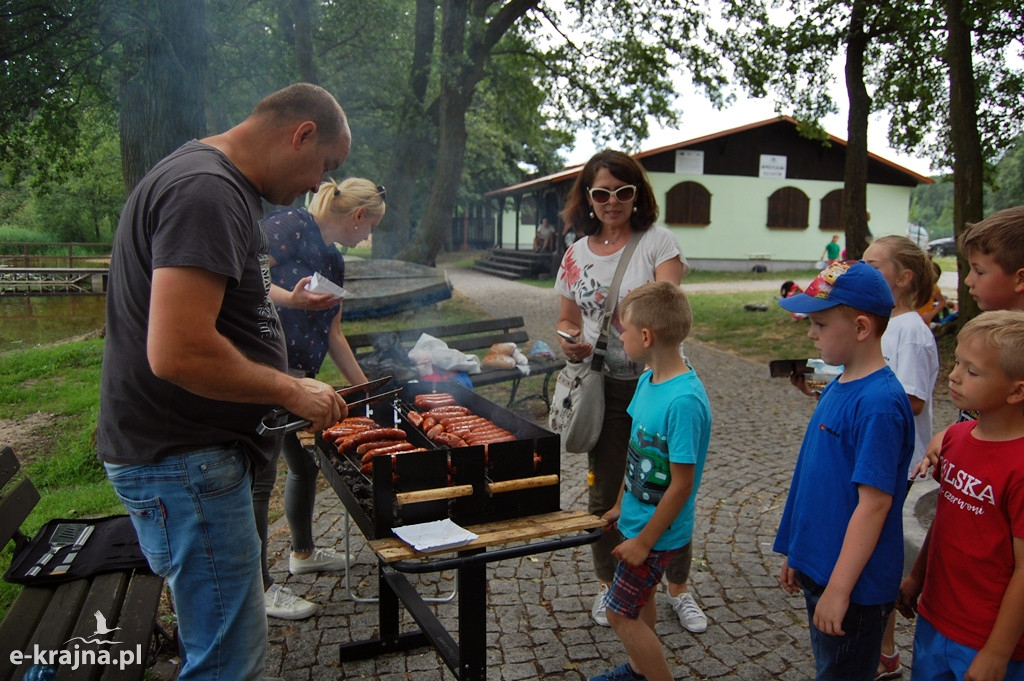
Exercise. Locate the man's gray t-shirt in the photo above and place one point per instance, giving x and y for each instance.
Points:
(193, 209)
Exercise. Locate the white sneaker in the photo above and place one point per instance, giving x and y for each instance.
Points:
(690, 614)
(283, 604)
(599, 611)
(321, 560)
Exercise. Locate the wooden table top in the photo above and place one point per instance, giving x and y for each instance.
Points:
(496, 533)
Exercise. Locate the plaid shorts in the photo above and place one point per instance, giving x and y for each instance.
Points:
(632, 587)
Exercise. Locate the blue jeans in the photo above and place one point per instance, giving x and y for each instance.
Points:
(853, 656)
(193, 514)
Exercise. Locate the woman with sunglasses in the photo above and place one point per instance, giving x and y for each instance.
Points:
(303, 242)
(610, 201)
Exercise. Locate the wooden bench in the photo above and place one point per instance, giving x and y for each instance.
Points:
(47, 618)
(469, 337)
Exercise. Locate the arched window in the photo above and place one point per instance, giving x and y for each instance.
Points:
(831, 211)
(688, 203)
(787, 209)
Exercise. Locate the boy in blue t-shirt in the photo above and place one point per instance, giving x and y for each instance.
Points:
(842, 530)
(667, 449)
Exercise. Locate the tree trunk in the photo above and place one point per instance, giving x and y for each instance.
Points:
(855, 173)
(163, 84)
(302, 15)
(413, 142)
(968, 164)
(456, 93)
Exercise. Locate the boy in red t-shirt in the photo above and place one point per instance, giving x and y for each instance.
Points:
(970, 571)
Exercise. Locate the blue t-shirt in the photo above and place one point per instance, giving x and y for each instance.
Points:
(671, 424)
(299, 250)
(862, 433)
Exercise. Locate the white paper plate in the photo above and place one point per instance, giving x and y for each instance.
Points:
(438, 535)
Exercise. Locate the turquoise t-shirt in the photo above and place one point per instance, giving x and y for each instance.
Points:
(671, 424)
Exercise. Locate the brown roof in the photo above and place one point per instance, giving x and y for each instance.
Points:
(571, 172)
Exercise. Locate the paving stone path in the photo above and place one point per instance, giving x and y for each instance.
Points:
(539, 623)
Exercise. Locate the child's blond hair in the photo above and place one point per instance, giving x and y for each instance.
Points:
(907, 255)
(661, 307)
(352, 193)
(1000, 235)
(1002, 330)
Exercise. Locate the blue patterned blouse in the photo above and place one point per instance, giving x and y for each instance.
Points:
(299, 250)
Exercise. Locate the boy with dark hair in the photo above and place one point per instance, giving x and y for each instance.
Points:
(994, 248)
(970, 570)
(667, 449)
(841, 530)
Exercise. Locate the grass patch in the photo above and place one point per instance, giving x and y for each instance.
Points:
(56, 387)
(720, 320)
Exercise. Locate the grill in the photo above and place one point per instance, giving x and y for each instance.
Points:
(470, 485)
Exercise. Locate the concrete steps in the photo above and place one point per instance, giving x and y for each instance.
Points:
(516, 264)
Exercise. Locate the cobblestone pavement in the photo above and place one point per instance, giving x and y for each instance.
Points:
(539, 623)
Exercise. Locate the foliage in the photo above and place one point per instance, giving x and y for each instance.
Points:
(912, 79)
(931, 206)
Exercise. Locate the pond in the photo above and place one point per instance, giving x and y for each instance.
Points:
(29, 321)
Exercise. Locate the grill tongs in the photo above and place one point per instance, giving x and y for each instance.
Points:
(280, 420)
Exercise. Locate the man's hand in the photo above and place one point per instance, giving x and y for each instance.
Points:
(319, 403)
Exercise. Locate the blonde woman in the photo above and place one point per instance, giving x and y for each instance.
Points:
(302, 242)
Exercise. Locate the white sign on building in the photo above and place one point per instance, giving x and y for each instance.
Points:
(689, 162)
(773, 166)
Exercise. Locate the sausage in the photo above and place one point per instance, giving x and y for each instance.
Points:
(450, 440)
(393, 448)
(430, 400)
(432, 433)
(453, 420)
(373, 444)
(341, 430)
(349, 443)
(449, 410)
(359, 420)
(489, 437)
(428, 423)
(415, 418)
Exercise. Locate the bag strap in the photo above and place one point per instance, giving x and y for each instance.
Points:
(597, 363)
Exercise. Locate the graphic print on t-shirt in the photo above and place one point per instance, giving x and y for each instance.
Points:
(269, 324)
(647, 466)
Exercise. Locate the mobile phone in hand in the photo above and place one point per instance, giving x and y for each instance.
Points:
(569, 338)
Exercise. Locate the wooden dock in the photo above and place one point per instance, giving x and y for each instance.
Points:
(53, 281)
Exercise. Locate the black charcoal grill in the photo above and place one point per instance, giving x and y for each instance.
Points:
(466, 484)
(511, 489)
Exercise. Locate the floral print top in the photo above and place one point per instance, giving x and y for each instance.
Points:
(585, 278)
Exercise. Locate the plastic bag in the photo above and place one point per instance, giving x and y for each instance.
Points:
(437, 353)
(542, 350)
(389, 358)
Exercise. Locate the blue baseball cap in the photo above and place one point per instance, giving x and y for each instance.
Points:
(852, 283)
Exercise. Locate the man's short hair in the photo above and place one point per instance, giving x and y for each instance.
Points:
(304, 102)
(1000, 235)
(1002, 330)
(661, 307)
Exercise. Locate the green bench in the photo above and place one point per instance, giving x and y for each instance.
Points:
(61, 618)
